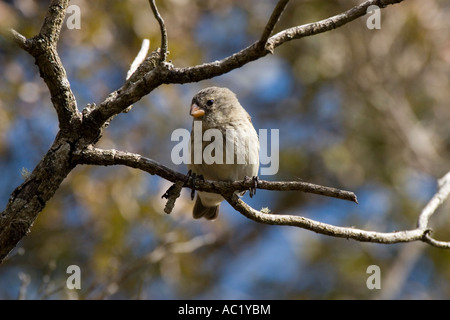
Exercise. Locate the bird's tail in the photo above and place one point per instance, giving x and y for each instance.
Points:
(200, 210)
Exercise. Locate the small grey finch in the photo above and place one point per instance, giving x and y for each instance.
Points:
(219, 109)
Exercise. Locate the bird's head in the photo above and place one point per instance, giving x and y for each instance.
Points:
(215, 105)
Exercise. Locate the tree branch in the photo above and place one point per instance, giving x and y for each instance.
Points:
(19, 39)
(162, 26)
(255, 51)
(43, 48)
(323, 228)
(28, 200)
(95, 156)
(54, 19)
(435, 202)
(421, 233)
(328, 24)
(276, 14)
(167, 74)
(139, 58)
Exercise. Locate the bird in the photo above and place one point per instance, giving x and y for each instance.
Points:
(219, 109)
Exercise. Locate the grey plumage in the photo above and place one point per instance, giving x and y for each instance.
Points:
(218, 108)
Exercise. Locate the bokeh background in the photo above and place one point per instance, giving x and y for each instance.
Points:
(357, 109)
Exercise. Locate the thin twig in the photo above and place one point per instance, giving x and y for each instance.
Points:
(139, 58)
(308, 188)
(281, 5)
(435, 243)
(19, 39)
(439, 198)
(162, 26)
(325, 24)
(436, 201)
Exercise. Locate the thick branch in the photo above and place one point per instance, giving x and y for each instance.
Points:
(54, 19)
(30, 197)
(43, 48)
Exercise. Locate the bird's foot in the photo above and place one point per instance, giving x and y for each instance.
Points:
(254, 186)
(194, 177)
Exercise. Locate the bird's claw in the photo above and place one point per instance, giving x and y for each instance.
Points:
(194, 176)
(253, 188)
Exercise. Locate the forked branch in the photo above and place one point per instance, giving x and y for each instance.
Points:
(421, 233)
(95, 156)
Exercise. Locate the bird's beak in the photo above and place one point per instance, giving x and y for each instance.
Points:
(196, 111)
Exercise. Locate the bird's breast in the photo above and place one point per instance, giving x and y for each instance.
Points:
(229, 152)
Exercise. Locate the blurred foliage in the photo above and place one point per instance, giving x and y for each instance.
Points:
(359, 109)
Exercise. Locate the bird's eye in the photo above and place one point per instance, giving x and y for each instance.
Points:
(209, 103)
